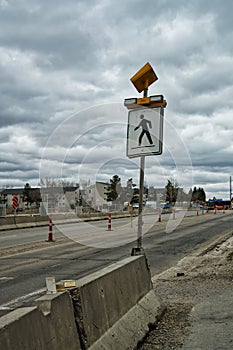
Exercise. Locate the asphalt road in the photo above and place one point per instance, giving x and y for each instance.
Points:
(22, 275)
(78, 229)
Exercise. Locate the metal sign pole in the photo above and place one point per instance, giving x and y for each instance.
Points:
(140, 249)
(142, 80)
(140, 209)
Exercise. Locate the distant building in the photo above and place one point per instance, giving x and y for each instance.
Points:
(8, 194)
(94, 196)
(55, 199)
(156, 194)
(59, 199)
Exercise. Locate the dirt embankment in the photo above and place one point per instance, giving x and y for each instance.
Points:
(194, 279)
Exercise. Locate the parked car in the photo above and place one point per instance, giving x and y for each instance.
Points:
(165, 206)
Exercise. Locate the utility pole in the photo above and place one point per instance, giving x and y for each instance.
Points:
(230, 191)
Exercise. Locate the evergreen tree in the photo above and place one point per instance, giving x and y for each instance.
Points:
(31, 195)
(114, 189)
(198, 194)
(26, 194)
(171, 191)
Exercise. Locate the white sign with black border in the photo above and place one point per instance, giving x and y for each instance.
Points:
(145, 132)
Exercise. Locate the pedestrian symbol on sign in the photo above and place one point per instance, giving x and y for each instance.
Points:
(144, 124)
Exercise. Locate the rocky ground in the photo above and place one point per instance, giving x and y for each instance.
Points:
(202, 276)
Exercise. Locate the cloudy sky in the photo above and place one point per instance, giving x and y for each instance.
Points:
(65, 69)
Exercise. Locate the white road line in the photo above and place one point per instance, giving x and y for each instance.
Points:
(12, 304)
(6, 278)
(7, 236)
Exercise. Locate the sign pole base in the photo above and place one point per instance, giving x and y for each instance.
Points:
(137, 251)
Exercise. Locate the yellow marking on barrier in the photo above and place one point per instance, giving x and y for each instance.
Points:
(62, 285)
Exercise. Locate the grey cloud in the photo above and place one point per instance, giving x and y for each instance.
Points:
(57, 59)
(63, 35)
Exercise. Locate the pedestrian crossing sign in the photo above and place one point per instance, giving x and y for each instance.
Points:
(145, 132)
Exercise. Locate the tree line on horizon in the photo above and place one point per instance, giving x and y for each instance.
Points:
(115, 192)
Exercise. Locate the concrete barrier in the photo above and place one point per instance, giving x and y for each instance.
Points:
(7, 223)
(25, 221)
(66, 218)
(22, 221)
(133, 326)
(49, 326)
(114, 306)
(110, 309)
(41, 220)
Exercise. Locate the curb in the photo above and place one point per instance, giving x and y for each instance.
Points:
(211, 245)
(207, 247)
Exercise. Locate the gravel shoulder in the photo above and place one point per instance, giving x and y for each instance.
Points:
(199, 298)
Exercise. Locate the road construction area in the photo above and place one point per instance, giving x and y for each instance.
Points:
(191, 265)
